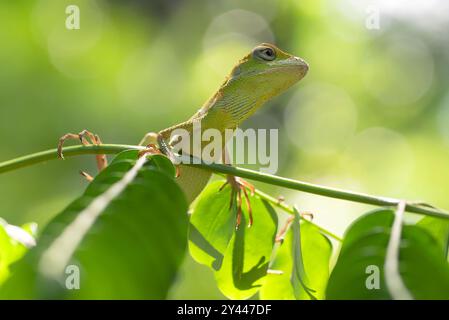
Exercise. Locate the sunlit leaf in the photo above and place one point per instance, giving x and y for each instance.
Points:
(438, 228)
(5, 249)
(239, 257)
(316, 250)
(247, 256)
(211, 226)
(423, 267)
(14, 243)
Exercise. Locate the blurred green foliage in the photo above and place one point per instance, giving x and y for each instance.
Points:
(371, 115)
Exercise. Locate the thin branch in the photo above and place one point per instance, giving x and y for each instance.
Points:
(240, 172)
(71, 151)
(411, 206)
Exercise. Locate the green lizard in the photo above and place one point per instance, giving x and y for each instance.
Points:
(261, 75)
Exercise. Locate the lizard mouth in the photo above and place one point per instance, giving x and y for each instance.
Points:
(293, 64)
(296, 63)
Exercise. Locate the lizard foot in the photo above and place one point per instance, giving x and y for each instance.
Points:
(83, 136)
(280, 236)
(149, 149)
(155, 144)
(239, 186)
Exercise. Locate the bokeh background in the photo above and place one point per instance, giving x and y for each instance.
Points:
(372, 115)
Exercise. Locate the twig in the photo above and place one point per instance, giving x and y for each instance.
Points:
(411, 206)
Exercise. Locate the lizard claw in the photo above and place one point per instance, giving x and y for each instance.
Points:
(280, 236)
(82, 137)
(307, 215)
(87, 176)
(282, 232)
(150, 149)
(240, 186)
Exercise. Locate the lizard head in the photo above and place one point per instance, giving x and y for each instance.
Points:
(261, 75)
(269, 70)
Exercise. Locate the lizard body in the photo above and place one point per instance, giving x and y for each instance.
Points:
(261, 75)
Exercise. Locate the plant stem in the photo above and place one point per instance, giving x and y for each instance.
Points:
(289, 209)
(43, 156)
(412, 206)
(240, 172)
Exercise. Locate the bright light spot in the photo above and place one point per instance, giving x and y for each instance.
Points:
(428, 15)
(399, 74)
(320, 119)
(332, 214)
(347, 22)
(268, 9)
(219, 61)
(143, 81)
(381, 159)
(68, 49)
(239, 26)
(443, 119)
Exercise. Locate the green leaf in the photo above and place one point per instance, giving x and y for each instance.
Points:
(239, 257)
(212, 225)
(14, 243)
(298, 278)
(438, 228)
(361, 259)
(132, 251)
(315, 250)
(359, 271)
(5, 250)
(423, 267)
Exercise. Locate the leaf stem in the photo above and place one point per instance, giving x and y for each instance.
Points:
(240, 172)
(290, 210)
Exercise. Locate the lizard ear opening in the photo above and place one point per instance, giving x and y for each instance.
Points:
(264, 53)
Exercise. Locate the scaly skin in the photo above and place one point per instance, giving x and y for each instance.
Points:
(261, 75)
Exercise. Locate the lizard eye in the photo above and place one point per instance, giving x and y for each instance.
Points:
(265, 53)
